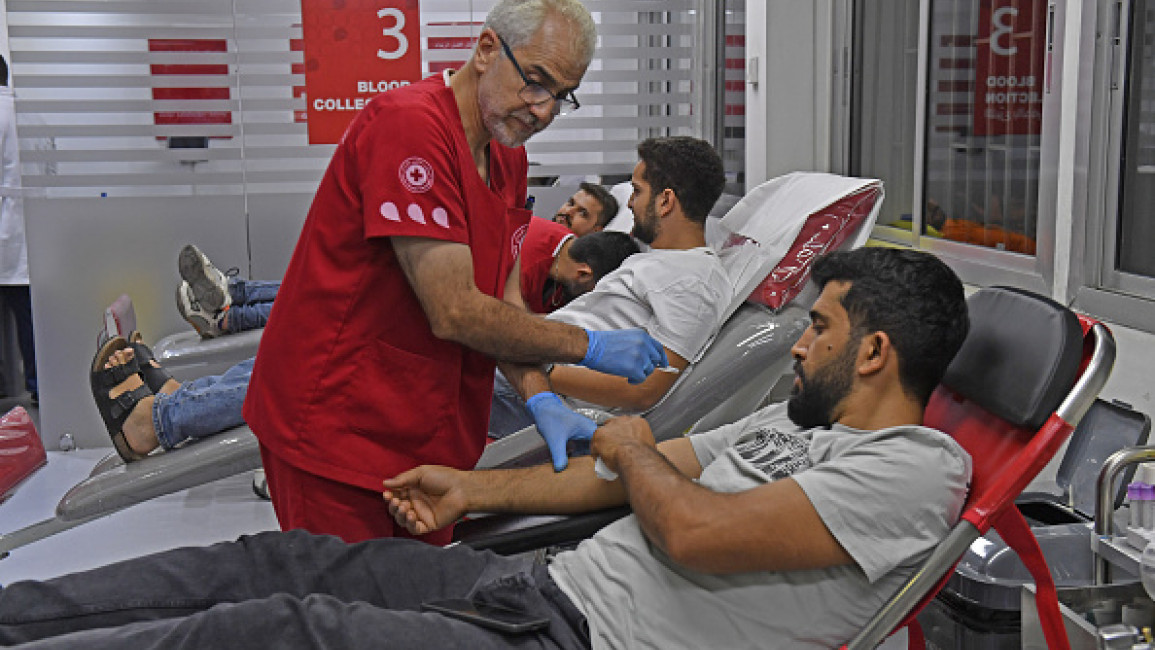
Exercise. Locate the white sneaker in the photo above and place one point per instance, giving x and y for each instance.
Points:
(210, 287)
(207, 323)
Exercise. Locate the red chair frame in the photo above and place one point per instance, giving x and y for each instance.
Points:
(1005, 459)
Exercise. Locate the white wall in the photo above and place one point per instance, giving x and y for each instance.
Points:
(788, 110)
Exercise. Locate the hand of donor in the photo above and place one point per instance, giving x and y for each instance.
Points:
(631, 353)
(558, 425)
(616, 437)
(425, 498)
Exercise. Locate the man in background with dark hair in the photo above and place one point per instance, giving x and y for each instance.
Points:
(588, 210)
(557, 266)
(763, 533)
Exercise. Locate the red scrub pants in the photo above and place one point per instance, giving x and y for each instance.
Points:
(326, 507)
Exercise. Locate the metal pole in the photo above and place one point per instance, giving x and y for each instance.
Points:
(710, 42)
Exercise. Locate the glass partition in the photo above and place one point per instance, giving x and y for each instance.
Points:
(884, 102)
(981, 126)
(984, 116)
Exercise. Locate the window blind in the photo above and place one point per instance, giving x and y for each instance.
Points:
(148, 98)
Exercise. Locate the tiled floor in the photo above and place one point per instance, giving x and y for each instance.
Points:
(209, 513)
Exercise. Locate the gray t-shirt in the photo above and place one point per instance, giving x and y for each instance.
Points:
(677, 296)
(887, 496)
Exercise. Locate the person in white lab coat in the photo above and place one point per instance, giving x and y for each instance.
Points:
(17, 298)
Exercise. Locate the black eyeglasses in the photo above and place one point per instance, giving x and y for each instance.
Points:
(536, 94)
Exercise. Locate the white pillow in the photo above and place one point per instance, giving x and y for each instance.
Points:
(623, 221)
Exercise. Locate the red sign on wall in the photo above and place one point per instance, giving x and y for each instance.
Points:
(193, 54)
(1009, 67)
(355, 50)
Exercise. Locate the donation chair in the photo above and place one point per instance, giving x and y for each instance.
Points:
(1027, 373)
(187, 356)
(761, 231)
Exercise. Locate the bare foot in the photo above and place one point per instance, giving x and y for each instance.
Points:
(138, 430)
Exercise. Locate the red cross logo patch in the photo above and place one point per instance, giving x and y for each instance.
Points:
(416, 174)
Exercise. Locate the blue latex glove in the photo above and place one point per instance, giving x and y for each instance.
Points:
(632, 354)
(558, 425)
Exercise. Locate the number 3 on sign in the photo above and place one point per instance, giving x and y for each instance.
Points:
(395, 32)
(1003, 19)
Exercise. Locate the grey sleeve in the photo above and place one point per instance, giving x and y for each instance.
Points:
(708, 445)
(891, 499)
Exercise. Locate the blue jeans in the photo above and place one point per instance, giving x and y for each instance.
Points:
(252, 300)
(287, 591)
(507, 411)
(202, 407)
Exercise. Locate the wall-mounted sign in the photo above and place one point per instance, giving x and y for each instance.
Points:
(200, 58)
(354, 50)
(1009, 67)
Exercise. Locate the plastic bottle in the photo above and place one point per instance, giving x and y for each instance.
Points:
(1134, 506)
(1148, 506)
(1140, 504)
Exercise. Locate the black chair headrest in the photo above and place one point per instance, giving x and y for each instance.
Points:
(1021, 356)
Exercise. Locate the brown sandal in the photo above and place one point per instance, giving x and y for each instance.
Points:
(115, 410)
(155, 376)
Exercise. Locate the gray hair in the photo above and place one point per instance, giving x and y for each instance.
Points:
(518, 20)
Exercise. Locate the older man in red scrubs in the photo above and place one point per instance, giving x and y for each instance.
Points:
(403, 288)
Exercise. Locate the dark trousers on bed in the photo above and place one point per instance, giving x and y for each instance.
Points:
(287, 591)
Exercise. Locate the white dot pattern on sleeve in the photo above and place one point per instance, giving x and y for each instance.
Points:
(389, 211)
(415, 213)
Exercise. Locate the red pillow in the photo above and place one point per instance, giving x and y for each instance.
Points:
(825, 230)
(21, 452)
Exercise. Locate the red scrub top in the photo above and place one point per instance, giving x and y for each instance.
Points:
(542, 244)
(350, 383)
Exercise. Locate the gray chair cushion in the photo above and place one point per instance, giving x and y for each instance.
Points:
(1021, 357)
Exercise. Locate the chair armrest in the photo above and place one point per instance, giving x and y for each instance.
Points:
(511, 534)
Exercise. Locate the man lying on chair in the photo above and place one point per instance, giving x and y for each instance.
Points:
(787, 529)
(677, 292)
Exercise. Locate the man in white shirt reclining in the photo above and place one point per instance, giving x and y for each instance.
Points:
(789, 528)
(677, 292)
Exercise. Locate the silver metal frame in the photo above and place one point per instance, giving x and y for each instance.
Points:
(943, 558)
